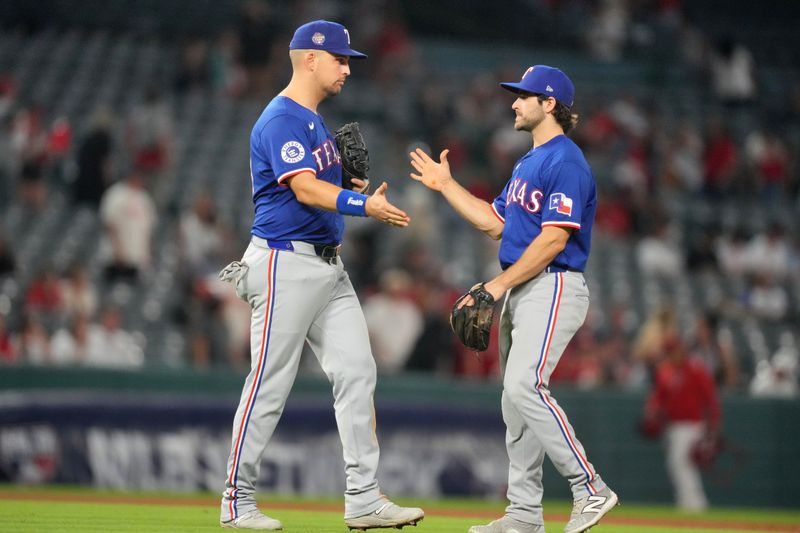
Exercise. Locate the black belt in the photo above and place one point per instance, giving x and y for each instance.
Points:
(550, 269)
(327, 252)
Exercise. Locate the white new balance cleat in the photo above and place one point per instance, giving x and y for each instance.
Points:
(507, 525)
(255, 519)
(387, 515)
(588, 511)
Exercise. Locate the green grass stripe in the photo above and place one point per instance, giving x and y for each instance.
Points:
(189, 512)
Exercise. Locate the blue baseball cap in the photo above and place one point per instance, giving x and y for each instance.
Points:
(324, 35)
(549, 81)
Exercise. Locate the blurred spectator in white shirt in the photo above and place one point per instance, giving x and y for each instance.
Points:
(202, 237)
(110, 345)
(129, 216)
(769, 253)
(608, 30)
(71, 345)
(32, 343)
(78, 295)
(733, 72)
(778, 378)
(394, 321)
(732, 253)
(657, 255)
(766, 299)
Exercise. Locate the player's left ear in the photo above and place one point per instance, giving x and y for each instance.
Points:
(311, 61)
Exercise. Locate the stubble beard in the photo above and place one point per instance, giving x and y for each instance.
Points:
(528, 124)
(334, 89)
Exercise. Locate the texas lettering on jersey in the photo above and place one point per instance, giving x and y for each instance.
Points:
(326, 155)
(518, 194)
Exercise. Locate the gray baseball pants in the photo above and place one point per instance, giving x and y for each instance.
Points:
(538, 320)
(297, 296)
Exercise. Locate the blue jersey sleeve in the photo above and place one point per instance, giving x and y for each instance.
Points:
(565, 194)
(499, 205)
(285, 143)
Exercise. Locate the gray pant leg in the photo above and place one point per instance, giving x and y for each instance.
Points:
(545, 313)
(340, 341)
(285, 290)
(525, 452)
(526, 456)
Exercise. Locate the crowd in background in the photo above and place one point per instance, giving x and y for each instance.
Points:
(738, 149)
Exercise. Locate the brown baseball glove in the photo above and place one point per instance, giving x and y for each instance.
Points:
(472, 324)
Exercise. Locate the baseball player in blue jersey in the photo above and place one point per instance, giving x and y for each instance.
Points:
(544, 220)
(299, 291)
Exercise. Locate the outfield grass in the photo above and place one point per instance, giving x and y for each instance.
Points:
(29, 510)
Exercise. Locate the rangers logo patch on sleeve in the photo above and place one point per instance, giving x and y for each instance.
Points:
(561, 203)
(292, 152)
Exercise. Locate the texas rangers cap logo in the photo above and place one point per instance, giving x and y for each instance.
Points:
(561, 203)
(292, 152)
(318, 39)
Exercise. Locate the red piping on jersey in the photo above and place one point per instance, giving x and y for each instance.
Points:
(559, 223)
(293, 173)
(494, 210)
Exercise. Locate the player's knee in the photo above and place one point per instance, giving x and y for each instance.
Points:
(360, 373)
(518, 390)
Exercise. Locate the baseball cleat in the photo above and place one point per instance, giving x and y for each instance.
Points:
(387, 515)
(255, 519)
(507, 525)
(588, 511)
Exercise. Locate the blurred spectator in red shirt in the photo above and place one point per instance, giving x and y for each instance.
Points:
(580, 365)
(685, 399)
(614, 217)
(44, 293)
(59, 141)
(150, 135)
(8, 353)
(769, 161)
(721, 160)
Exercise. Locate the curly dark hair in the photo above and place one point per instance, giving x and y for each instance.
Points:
(563, 115)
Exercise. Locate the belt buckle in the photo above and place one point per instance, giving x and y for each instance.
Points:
(328, 253)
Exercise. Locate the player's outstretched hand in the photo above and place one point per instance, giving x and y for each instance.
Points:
(432, 174)
(379, 208)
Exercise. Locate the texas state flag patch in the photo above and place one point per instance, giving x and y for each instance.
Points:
(561, 203)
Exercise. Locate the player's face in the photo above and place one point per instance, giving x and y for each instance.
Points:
(332, 71)
(529, 112)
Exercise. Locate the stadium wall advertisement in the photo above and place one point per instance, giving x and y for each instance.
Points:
(156, 430)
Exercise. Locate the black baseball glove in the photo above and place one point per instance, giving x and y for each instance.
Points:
(355, 157)
(472, 324)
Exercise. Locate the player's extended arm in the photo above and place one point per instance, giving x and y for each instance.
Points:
(540, 253)
(437, 176)
(323, 195)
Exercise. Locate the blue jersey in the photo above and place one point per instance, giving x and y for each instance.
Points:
(551, 185)
(286, 140)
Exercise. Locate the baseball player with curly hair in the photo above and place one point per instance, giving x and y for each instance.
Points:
(544, 220)
(294, 280)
